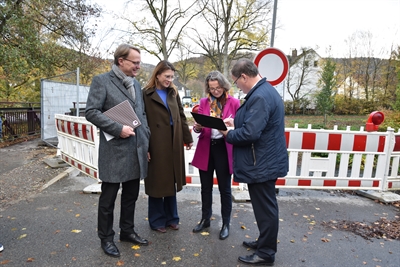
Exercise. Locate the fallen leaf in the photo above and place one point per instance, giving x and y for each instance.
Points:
(4, 262)
(164, 263)
(57, 231)
(317, 208)
(243, 227)
(73, 258)
(120, 263)
(183, 249)
(292, 241)
(53, 253)
(14, 229)
(76, 231)
(22, 236)
(304, 239)
(176, 258)
(364, 262)
(205, 233)
(295, 214)
(137, 255)
(377, 260)
(196, 254)
(281, 220)
(30, 259)
(247, 236)
(23, 229)
(67, 245)
(135, 247)
(77, 215)
(325, 239)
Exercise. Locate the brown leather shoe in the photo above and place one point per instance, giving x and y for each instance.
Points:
(174, 226)
(161, 230)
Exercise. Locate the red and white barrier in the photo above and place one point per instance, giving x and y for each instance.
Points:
(318, 159)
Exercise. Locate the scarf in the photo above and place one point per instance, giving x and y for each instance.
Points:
(215, 105)
(127, 81)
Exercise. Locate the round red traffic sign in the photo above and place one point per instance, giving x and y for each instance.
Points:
(273, 64)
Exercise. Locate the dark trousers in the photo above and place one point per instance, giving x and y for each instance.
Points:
(105, 219)
(265, 207)
(162, 212)
(218, 161)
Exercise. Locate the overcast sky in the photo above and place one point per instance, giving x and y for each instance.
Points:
(322, 23)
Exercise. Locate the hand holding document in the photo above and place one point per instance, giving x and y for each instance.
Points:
(229, 121)
(122, 113)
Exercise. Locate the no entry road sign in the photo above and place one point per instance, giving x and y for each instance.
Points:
(273, 64)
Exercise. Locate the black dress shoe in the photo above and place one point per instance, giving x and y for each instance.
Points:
(204, 223)
(250, 244)
(110, 248)
(224, 232)
(133, 238)
(256, 260)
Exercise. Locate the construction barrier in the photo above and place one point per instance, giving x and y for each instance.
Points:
(318, 159)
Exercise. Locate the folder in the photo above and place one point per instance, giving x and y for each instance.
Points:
(124, 114)
(210, 122)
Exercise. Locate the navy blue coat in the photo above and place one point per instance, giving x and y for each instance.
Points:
(259, 144)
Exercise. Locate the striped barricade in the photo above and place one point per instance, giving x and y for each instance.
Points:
(318, 159)
(78, 143)
(332, 159)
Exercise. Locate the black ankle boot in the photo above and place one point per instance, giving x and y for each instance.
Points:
(224, 232)
(204, 223)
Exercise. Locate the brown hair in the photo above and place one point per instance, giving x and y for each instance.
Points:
(123, 51)
(161, 67)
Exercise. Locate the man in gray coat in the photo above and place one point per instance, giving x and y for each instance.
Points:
(122, 159)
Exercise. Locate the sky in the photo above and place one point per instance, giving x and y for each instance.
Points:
(318, 24)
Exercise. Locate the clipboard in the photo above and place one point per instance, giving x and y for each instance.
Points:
(210, 122)
(124, 114)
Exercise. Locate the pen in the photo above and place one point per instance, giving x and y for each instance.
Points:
(230, 116)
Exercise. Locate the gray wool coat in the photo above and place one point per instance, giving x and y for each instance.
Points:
(120, 159)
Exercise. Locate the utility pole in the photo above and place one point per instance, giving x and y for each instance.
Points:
(273, 23)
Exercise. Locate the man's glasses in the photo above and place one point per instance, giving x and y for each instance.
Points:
(215, 89)
(136, 63)
(235, 82)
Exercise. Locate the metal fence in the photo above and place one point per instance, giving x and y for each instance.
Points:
(19, 121)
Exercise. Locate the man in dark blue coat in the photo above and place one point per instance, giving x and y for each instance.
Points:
(259, 155)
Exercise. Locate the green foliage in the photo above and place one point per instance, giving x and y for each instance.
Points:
(324, 99)
(392, 119)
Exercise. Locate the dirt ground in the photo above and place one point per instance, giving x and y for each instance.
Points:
(23, 171)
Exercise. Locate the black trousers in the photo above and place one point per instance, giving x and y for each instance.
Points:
(218, 161)
(265, 207)
(105, 219)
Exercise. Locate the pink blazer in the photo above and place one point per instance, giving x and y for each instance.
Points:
(202, 153)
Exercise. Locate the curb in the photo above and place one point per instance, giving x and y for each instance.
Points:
(62, 175)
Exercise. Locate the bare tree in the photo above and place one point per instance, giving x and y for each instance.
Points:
(161, 26)
(231, 27)
(300, 78)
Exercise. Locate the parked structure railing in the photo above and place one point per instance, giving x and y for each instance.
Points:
(318, 159)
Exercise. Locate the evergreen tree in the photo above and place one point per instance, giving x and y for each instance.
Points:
(327, 82)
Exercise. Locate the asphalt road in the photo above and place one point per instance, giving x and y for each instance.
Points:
(57, 227)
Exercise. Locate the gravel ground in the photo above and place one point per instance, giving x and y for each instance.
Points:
(23, 171)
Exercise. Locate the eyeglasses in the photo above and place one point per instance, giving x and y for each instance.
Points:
(215, 89)
(235, 82)
(136, 63)
(169, 77)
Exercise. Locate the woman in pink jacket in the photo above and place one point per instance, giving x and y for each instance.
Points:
(213, 153)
